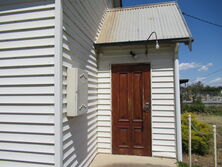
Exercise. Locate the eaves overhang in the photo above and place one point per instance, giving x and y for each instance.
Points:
(186, 41)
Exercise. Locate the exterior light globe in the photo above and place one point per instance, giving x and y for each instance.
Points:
(157, 45)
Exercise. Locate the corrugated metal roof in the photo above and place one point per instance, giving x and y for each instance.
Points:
(137, 23)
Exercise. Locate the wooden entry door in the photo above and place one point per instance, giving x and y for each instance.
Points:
(131, 115)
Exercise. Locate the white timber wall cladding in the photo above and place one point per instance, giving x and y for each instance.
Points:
(81, 23)
(27, 83)
(162, 94)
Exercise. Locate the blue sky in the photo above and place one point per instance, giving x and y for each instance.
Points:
(206, 57)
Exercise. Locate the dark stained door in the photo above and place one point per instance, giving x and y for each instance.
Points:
(131, 116)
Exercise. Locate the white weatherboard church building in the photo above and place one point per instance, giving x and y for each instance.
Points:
(82, 77)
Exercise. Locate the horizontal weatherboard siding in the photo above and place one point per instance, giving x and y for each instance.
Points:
(162, 95)
(27, 83)
(81, 22)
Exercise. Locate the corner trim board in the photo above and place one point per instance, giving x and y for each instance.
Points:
(177, 103)
(58, 84)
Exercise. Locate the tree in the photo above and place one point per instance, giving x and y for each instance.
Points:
(195, 90)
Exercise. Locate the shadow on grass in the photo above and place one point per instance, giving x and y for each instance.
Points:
(133, 165)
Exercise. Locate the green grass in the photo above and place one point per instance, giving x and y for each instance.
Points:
(207, 160)
(214, 119)
(182, 164)
(214, 110)
(211, 119)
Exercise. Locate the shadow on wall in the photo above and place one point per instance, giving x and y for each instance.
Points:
(80, 134)
(75, 140)
(80, 28)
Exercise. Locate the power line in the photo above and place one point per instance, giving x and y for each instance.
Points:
(212, 73)
(203, 20)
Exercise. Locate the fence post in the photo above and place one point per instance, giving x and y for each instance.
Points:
(215, 145)
(190, 152)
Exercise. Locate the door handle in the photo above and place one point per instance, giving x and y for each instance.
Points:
(147, 107)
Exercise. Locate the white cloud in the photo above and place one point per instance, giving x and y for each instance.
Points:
(216, 82)
(188, 66)
(205, 67)
(194, 65)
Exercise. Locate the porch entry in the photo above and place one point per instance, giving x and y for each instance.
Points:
(131, 114)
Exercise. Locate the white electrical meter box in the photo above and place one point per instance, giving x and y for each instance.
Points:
(77, 92)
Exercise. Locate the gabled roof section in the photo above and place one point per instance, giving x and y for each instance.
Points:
(135, 24)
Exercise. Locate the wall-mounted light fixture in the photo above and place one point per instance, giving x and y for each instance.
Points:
(157, 43)
(133, 55)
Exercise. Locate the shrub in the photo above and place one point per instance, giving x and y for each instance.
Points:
(200, 142)
(185, 108)
(197, 106)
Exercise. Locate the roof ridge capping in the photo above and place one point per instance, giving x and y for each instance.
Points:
(143, 6)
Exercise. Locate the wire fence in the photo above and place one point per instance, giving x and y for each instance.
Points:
(218, 135)
(203, 134)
